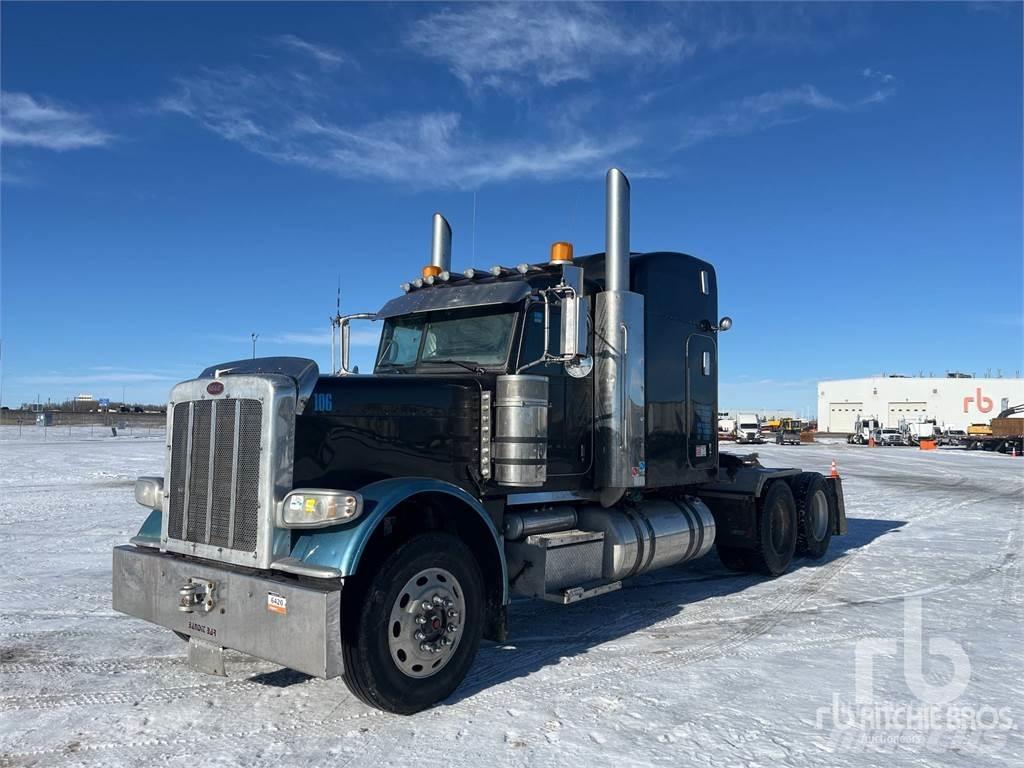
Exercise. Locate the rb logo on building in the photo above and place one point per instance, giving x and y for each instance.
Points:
(983, 403)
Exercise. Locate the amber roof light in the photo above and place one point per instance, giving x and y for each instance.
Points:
(561, 253)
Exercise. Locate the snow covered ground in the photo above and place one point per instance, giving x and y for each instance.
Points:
(687, 666)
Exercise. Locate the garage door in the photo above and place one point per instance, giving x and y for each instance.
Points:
(909, 412)
(842, 415)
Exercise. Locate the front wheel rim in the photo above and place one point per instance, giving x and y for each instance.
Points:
(426, 622)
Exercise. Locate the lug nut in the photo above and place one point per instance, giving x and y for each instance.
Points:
(426, 605)
(453, 614)
(438, 600)
(446, 641)
(420, 618)
(419, 635)
(447, 603)
(452, 628)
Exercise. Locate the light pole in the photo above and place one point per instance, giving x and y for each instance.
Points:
(254, 337)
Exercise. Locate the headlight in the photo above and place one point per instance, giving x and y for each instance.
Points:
(149, 492)
(319, 507)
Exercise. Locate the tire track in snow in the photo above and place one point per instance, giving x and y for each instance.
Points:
(51, 701)
(240, 739)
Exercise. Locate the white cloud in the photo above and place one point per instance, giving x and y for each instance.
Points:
(121, 377)
(26, 121)
(768, 109)
(501, 44)
(325, 56)
(265, 114)
(874, 74)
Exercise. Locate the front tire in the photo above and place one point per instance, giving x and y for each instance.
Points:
(411, 629)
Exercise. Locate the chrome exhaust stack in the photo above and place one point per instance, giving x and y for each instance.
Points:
(619, 351)
(616, 231)
(440, 248)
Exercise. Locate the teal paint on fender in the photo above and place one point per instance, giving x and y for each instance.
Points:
(151, 527)
(341, 546)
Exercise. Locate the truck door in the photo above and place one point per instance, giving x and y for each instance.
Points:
(571, 400)
(701, 400)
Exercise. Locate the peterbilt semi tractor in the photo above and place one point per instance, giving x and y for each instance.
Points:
(545, 431)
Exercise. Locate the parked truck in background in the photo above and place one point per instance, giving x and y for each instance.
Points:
(915, 432)
(748, 428)
(863, 431)
(545, 430)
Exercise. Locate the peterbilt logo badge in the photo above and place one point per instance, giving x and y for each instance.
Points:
(214, 388)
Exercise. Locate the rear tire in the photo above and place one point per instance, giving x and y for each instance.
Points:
(816, 514)
(384, 667)
(776, 531)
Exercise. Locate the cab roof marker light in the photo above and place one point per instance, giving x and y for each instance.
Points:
(429, 279)
(417, 283)
(561, 253)
(469, 273)
(406, 287)
(496, 270)
(444, 277)
(523, 268)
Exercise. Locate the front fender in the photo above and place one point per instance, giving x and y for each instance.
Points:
(341, 547)
(149, 533)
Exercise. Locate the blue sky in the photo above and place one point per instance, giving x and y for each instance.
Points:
(177, 176)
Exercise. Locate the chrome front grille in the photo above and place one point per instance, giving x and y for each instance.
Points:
(214, 473)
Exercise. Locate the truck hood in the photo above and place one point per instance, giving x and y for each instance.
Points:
(360, 429)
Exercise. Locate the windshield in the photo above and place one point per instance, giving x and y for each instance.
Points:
(446, 338)
(748, 426)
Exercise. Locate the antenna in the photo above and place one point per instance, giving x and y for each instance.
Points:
(254, 337)
(335, 324)
(472, 258)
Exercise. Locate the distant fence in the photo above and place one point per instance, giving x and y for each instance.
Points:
(78, 419)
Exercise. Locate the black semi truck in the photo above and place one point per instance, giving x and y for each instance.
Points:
(545, 430)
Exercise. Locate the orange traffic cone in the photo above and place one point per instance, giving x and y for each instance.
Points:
(835, 469)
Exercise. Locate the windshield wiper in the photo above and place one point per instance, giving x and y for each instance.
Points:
(469, 365)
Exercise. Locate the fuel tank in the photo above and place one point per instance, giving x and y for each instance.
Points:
(654, 534)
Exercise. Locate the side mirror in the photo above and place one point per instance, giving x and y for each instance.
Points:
(346, 336)
(725, 323)
(575, 312)
(574, 336)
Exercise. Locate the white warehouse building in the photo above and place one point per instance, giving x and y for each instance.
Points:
(953, 403)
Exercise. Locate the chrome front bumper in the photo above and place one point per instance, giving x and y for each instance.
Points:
(276, 618)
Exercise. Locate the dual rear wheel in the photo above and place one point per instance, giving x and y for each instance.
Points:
(795, 516)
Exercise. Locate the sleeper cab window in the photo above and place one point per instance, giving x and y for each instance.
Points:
(705, 286)
(705, 363)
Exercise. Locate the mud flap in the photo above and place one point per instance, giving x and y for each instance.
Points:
(836, 485)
